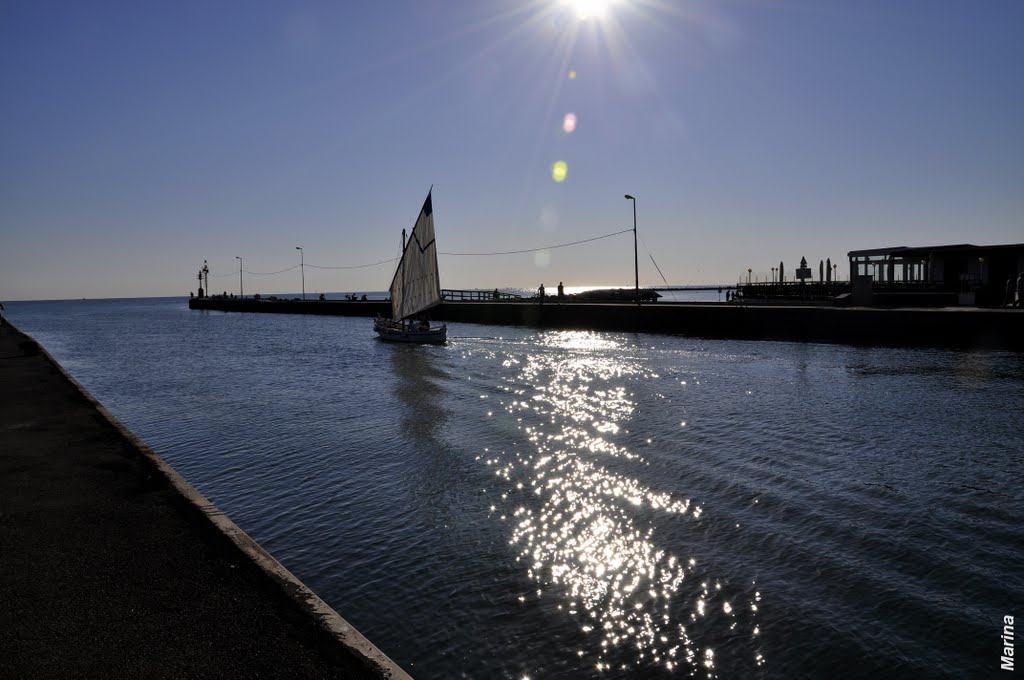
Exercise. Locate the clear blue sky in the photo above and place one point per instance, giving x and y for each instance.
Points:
(139, 138)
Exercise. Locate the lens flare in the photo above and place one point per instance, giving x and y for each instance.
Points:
(569, 123)
(549, 217)
(559, 170)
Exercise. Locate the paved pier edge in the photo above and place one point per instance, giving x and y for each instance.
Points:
(329, 621)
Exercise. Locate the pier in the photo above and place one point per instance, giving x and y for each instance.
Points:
(955, 327)
(115, 567)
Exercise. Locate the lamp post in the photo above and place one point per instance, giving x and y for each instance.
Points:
(749, 270)
(636, 266)
(302, 268)
(240, 295)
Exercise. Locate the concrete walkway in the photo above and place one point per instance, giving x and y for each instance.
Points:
(111, 566)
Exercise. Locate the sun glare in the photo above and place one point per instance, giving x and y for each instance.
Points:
(586, 9)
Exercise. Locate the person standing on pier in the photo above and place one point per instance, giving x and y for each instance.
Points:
(561, 292)
(541, 291)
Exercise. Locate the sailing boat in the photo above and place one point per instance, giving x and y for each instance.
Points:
(416, 286)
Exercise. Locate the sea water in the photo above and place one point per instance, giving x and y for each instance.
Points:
(549, 504)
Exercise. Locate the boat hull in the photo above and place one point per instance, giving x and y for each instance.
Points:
(391, 331)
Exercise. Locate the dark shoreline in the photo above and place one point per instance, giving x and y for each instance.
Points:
(114, 566)
(949, 327)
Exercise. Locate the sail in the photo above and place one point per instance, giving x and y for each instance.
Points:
(416, 285)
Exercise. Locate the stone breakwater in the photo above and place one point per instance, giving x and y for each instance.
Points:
(953, 327)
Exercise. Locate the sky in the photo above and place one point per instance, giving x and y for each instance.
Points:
(139, 139)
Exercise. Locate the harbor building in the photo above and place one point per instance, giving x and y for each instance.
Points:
(963, 273)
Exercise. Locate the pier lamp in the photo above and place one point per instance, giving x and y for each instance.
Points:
(302, 269)
(749, 270)
(636, 266)
(240, 295)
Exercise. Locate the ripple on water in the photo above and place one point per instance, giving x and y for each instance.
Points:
(591, 504)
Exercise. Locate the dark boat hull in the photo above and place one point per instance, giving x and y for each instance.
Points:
(393, 331)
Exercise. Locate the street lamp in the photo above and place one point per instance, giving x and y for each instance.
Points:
(636, 266)
(749, 270)
(240, 294)
(302, 268)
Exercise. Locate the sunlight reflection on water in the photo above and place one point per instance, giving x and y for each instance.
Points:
(860, 506)
(586, 534)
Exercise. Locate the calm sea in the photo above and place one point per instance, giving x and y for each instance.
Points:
(523, 503)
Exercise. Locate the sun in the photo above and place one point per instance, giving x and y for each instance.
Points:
(587, 9)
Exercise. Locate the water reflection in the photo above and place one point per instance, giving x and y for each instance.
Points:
(429, 463)
(418, 388)
(586, 529)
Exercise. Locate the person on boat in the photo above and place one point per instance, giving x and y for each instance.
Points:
(424, 325)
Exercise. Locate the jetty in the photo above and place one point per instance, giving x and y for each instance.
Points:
(115, 567)
(953, 327)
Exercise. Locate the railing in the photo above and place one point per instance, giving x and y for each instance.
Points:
(477, 295)
(766, 290)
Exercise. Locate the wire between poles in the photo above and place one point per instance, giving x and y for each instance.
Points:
(534, 250)
(271, 273)
(394, 259)
(354, 266)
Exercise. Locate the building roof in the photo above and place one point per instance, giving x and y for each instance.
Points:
(926, 250)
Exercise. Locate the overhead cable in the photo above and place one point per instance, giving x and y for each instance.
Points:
(655, 263)
(354, 266)
(534, 250)
(394, 259)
